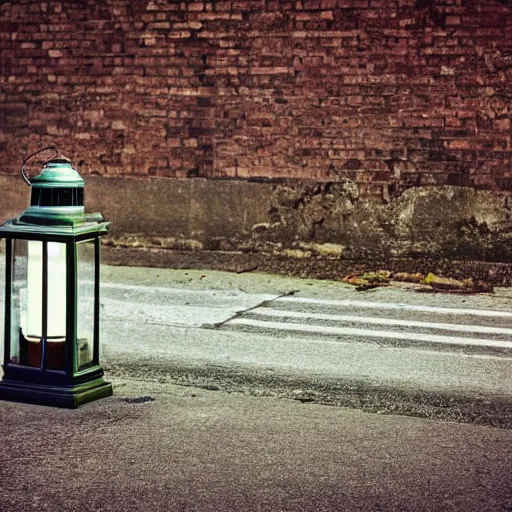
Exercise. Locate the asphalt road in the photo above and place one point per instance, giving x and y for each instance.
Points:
(389, 350)
(165, 448)
(212, 412)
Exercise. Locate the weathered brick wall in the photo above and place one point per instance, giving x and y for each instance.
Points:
(388, 93)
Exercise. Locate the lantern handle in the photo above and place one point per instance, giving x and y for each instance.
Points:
(24, 164)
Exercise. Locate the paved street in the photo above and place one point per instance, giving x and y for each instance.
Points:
(220, 382)
(165, 448)
(386, 350)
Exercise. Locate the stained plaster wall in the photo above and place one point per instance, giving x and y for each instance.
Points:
(294, 219)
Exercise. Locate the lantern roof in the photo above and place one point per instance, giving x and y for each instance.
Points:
(32, 228)
(58, 173)
(56, 205)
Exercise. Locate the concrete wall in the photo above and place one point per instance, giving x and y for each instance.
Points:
(296, 219)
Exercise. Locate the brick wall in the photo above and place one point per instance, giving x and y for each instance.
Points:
(388, 93)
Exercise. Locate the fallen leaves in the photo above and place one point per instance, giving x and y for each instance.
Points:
(408, 277)
(455, 285)
(430, 282)
(369, 280)
(446, 283)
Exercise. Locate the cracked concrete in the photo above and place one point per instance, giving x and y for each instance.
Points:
(294, 219)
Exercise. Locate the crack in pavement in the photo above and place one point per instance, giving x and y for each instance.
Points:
(252, 308)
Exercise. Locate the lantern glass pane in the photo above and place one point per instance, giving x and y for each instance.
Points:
(19, 303)
(27, 305)
(86, 262)
(56, 300)
(2, 296)
(56, 289)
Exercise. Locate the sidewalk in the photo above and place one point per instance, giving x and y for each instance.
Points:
(166, 448)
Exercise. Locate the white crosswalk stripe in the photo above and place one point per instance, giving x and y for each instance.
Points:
(397, 306)
(318, 329)
(300, 316)
(278, 313)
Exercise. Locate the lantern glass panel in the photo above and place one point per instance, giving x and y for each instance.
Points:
(28, 303)
(19, 303)
(56, 301)
(2, 295)
(86, 266)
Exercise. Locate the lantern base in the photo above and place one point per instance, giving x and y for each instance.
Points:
(57, 396)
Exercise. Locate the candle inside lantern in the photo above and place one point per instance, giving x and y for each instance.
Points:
(34, 325)
(56, 290)
(56, 299)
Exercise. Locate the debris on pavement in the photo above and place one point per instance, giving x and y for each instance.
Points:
(408, 277)
(429, 283)
(250, 268)
(448, 284)
(368, 280)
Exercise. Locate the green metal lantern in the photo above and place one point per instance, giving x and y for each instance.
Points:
(52, 292)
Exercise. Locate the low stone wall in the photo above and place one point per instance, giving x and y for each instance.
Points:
(293, 219)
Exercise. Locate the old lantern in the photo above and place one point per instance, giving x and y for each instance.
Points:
(52, 291)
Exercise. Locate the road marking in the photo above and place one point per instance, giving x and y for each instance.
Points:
(392, 305)
(187, 291)
(176, 311)
(381, 321)
(348, 331)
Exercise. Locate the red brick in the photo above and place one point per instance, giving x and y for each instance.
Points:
(281, 88)
(55, 54)
(195, 6)
(459, 144)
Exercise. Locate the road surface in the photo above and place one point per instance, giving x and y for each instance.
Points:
(387, 350)
(159, 446)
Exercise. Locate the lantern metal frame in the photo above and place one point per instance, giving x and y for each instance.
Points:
(73, 385)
